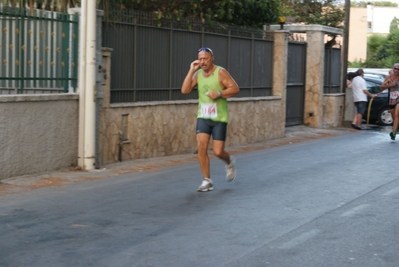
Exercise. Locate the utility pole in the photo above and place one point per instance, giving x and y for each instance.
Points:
(87, 85)
(345, 46)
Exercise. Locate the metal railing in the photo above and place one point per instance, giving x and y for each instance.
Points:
(332, 71)
(39, 51)
(150, 61)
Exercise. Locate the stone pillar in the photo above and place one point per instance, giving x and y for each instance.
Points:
(105, 77)
(105, 72)
(280, 59)
(314, 79)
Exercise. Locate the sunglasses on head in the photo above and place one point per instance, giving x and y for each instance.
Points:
(205, 49)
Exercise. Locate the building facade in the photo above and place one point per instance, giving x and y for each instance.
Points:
(365, 22)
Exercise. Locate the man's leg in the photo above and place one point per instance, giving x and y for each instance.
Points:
(218, 150)
(354, 121)
(353, 124)
(361, 108)
(203, 158)
(359, 118)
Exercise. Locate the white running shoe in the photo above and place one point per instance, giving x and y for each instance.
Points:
(231, 170)
(206, 185)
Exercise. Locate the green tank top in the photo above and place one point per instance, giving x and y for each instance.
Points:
(208, 108)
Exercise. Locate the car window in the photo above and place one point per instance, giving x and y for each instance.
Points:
(373, 88)
(374, 76)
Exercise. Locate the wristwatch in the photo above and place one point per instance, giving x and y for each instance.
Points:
(220, 93)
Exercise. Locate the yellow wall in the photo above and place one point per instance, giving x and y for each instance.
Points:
(357, 34)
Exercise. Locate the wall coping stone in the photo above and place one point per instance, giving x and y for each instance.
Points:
(335, 94)
(38, 98)
(191, 101)
(309, 27)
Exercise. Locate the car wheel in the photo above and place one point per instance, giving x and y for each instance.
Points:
(384, 117)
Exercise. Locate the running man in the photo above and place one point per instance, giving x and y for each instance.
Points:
(214, 85)
(391, 82)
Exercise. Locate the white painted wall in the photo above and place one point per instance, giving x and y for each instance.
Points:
(381, 18)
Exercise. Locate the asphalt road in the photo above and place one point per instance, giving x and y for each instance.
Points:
(327, 202)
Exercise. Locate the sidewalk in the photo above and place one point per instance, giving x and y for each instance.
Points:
(294, 134)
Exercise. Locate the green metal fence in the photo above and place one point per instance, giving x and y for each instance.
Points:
(39, 51)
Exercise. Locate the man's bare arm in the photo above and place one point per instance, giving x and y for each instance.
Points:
(230, 87)
(191, 78)
(388, 83)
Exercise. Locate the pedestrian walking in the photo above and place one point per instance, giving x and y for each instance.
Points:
(215, 85)
(360, 93)
(391, 83)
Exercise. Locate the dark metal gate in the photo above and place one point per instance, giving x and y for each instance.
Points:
(296, 71)
(332, 71)
(149, 63)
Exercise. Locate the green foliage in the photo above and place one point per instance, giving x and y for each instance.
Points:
(355, 64)
(327, 12)
(392, 43)
(253, 13)
(382, 51)
(54, 5)
(390, 61)
(374, 42)
(393, 27)
(323, 12)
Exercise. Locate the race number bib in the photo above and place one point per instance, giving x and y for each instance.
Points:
(394, 94)
(209, 110)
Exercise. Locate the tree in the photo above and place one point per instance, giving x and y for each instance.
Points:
(252, 13)
(255, 13)
(325, 12)
(382, 51)
(55, 5)
(392, 43)
(393, 27)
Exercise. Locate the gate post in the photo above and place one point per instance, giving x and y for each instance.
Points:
(314, 87)
(280, 59)
(313, 110)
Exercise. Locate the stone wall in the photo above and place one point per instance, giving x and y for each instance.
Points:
(350, 109)
(333, 110)
(168, 128)
(38, 133)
